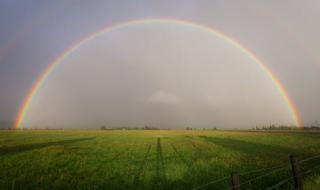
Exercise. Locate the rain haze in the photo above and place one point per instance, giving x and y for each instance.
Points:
(183, 64)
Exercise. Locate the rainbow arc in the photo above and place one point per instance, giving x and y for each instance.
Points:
(56, 62)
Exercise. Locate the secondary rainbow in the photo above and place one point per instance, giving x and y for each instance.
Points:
(42, 78)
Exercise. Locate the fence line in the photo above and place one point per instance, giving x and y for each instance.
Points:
(261, 170)
(264, 175)
(210, 183)
(296, 175)
(308, 159)
(310, 170)
(237, 186)
(241, 174)
(288, 179)
(280, 183)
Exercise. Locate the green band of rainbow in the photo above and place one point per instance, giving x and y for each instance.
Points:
(42, 78)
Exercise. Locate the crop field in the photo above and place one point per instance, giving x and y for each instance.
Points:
(149, 159)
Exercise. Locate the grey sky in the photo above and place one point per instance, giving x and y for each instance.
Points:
(283, 34)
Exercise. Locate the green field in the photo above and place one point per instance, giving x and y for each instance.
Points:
(142, 159)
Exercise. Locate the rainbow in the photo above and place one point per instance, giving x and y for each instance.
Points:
(56, 62)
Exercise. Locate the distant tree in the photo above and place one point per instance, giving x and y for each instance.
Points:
(271, 127)
(103, 127)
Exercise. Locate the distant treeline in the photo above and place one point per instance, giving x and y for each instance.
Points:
(273, 127)
(152, 128)
(257, 128)
(132, 128)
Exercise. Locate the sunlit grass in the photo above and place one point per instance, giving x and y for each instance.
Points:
(94, 159)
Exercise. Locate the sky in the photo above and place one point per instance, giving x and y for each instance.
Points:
(164, 74)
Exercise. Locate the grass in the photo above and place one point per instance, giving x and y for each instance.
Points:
(175, 159)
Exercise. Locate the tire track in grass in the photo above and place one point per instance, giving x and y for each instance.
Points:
(108, 160)
(160, 178)
(182, 158)
(197, 147)
(188, 162)
(115, 157)
(160, 162)
(141, 167)
(191, 168)
(199, 151)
